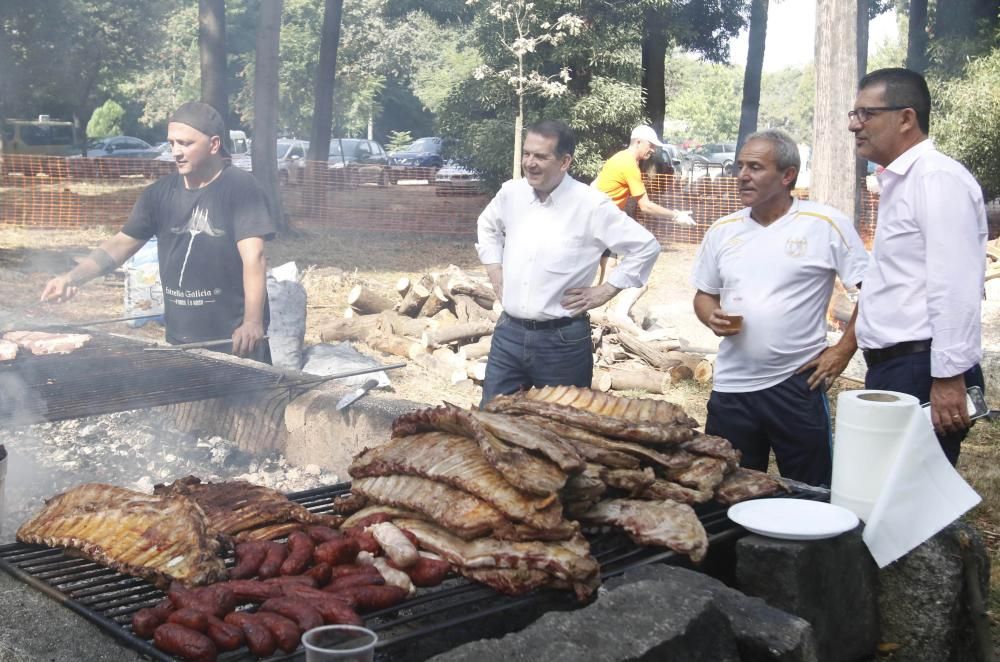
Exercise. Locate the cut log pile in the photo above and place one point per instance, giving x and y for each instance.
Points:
(444, 322)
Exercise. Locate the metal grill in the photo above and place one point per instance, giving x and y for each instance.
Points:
(435, 620)
(112, 373)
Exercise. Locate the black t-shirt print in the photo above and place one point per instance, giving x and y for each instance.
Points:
(200, 265)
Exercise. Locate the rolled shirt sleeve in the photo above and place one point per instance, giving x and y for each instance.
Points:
(955, 259)
(490, 231)
(635, 244)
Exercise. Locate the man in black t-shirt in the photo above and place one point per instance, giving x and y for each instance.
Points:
(211, 222)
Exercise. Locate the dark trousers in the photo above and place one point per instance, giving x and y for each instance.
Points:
(912, 374)
(788, 418)
(521, 358)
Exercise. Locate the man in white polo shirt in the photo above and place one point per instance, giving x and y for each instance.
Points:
(919, 313)
(775, 260)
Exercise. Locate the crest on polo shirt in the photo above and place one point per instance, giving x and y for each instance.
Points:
(796, 247)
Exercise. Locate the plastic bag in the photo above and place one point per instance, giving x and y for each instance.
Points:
(143, 292)
(287, 330)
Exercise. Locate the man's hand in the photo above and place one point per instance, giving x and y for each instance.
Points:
(949, 411)
(578, 300)
(828, 366)
(683, 218)
(246, 337)
(495, 272)
(720, 324)
(60, 289)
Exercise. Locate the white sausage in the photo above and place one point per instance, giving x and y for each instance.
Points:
(395, 544)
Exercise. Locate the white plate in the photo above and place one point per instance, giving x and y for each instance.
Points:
(793, 519)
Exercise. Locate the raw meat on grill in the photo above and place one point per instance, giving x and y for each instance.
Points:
(745, 484)
(643, 420)
(160, 538)
(8, 350)
(519, 467)
(456, 461)
(235, 506)
(664, 523)
(40, 343)
(568, 560)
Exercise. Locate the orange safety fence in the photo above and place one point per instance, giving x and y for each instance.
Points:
(55, 193)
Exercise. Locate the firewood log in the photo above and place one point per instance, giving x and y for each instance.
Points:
(476, 370)
(636, 378)
(366, 301)
(478, 349)
(435, 303)
(460, 283)
(467, 310)
(445, 317)
(395, 324)
(416, 297)
(700, 367)
(442, 369)
(355, 328)
(395, 345)
(456, 332)
(651, 356)
(403, 286)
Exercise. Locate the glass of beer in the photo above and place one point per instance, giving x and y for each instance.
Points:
(733, 306)
(340, 643)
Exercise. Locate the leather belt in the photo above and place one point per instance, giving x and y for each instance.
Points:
(541, 325)
(876, 356)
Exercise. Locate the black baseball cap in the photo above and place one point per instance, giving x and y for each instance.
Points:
(204, 118)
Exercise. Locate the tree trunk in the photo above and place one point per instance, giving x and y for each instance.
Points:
(326, 75)
(264, 158)
(836, 87)
(654, 55)
(212, 47)
(752, 73)
(916, 37)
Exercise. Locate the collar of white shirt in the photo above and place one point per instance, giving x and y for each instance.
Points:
(902, 164)
(555, 195)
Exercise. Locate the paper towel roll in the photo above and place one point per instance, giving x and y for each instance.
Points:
(869, 428)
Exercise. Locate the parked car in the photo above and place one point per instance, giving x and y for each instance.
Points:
(712, 156)
(354, 161)
(292, 160)
(121, 147)
(419, 160)
(457, 179)
(669, 159)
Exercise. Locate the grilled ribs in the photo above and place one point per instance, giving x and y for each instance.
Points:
(40, 343)
(236, 506)
(745, 484)
(159, 538)
(457, 461)
(664, 523)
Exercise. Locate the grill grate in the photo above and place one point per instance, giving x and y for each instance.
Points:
(420, 627)
(111, 374)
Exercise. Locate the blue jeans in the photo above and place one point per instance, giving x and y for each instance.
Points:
(521, 358)
(912, 374)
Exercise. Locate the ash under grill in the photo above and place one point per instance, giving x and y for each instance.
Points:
(435, 620)
(111, 374)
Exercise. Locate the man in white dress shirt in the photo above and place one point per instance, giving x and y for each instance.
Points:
(777, 260)
(541, 240)
(919, 311)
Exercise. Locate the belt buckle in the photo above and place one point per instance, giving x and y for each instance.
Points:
(531, 325)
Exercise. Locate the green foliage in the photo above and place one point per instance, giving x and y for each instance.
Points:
(106, 120)
(968, 124)
(786, 102)
(708, 102)
(398, 141)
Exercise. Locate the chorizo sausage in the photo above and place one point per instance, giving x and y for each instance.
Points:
(276, 554)
(365, 539)
(312, 595)
(227, 637)
(300, 551)
(185, 643)
(336, 552)
(368, 520)
(300, 611)
(336, 612)
(319, 533)
(300, 580)
(145, 621)
(252, 590)
(260, 640)
(320, 573)
(249, 556)
(193, 619)
(285, 631)
(217, 599)
(370, 598)
(351, 569)
(357, 579)
(397, 546)
(428, 572)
